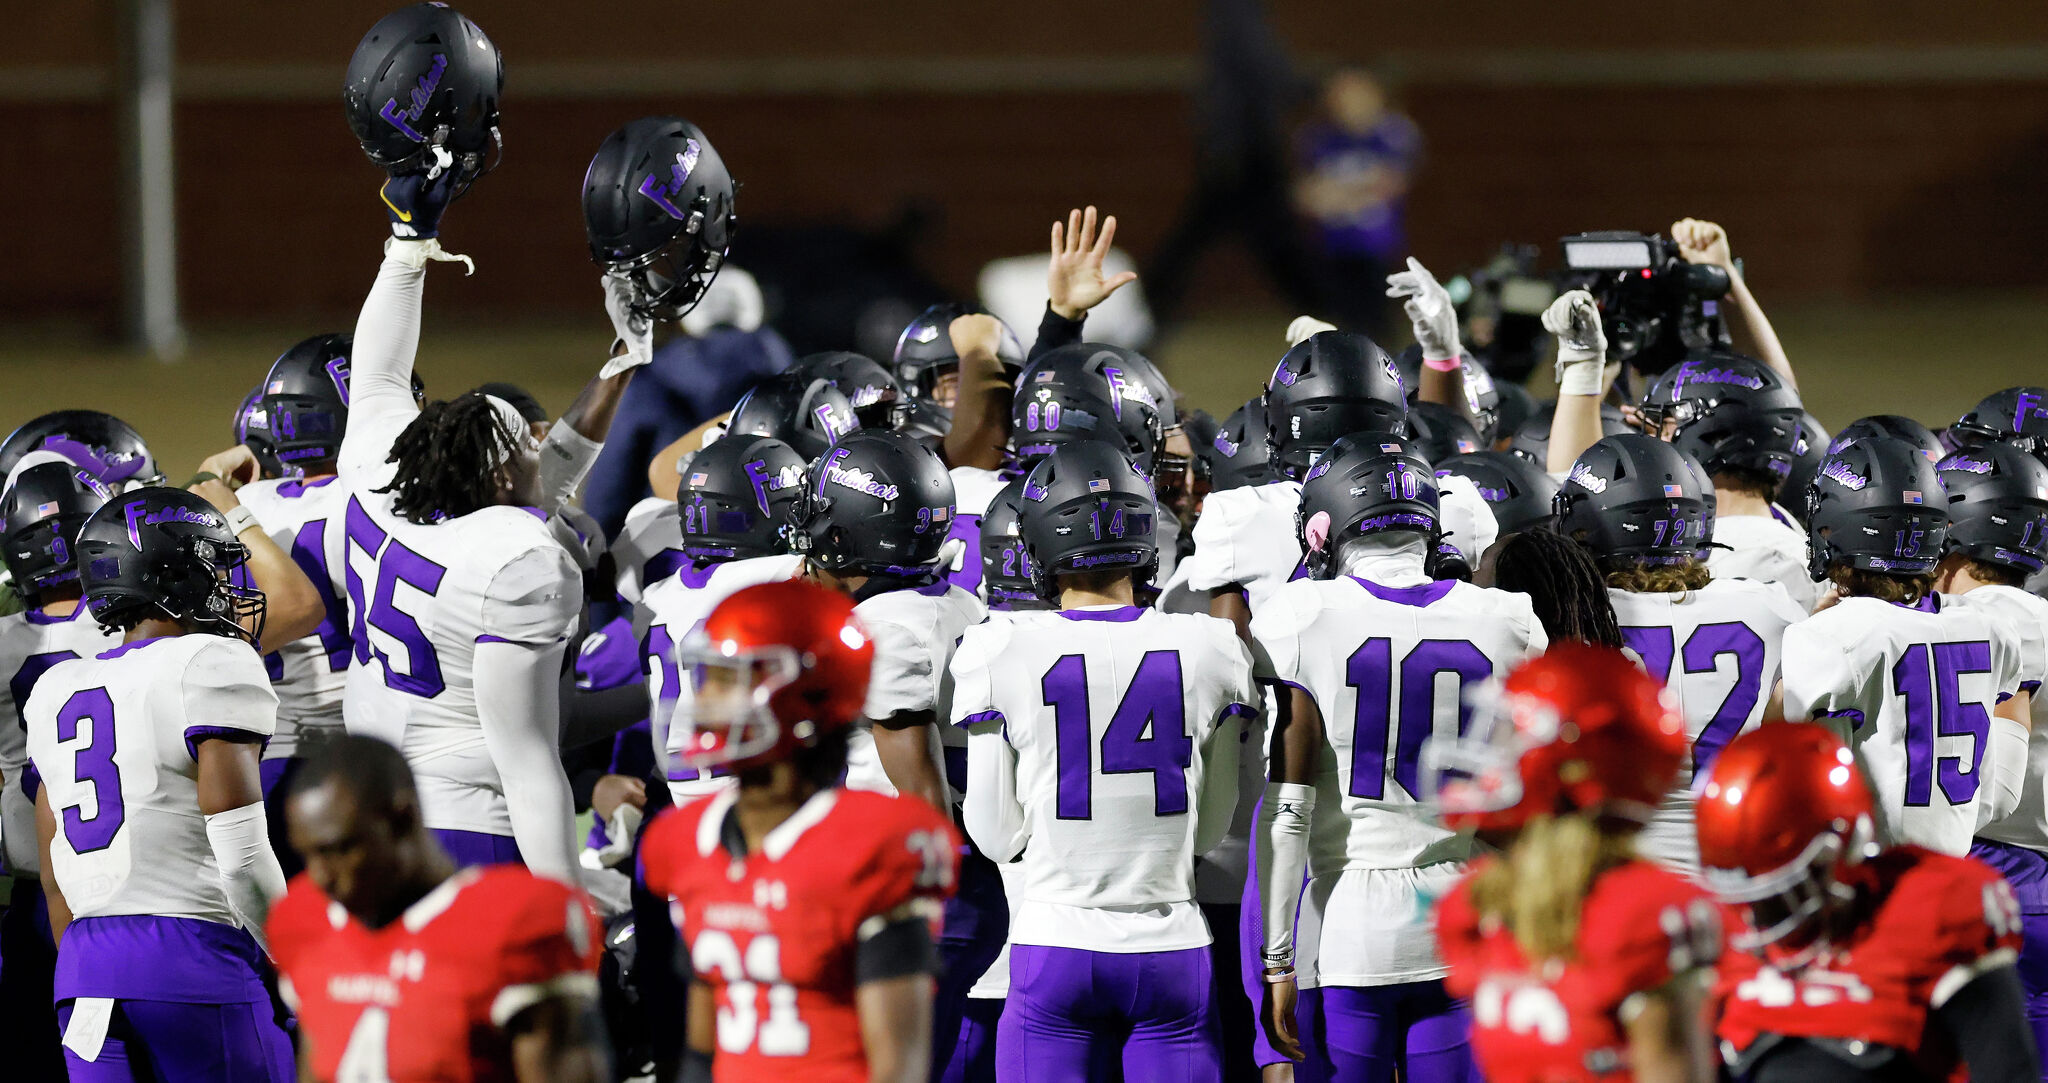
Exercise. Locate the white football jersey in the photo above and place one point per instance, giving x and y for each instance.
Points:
(914, 633)
(676, 608)
(305, 520)
(2027, 615)
(1766, 549)
(1120, 731)
(1390, 668)
(30, 643)
(1245, 536)
(115, 738)
(1718, 650)
(973, 490)
(1912, 688)
(649, 548)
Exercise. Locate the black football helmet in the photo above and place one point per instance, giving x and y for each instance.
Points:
(877, 502)
(1876, 505)
(924, 351)
(1441, 432)
(735, 497)
(658, 207)
(1894, 426)
(162, 552)
(876, 398)
(422, 94)
(39, 520)
(107, 447)
(1480, 393)
(1636, 499)
(1519, 492)
(1088, 507)
(805, 412)
(1366, 483)
(1997, 506)
(2016, 412)
(305, 395)
(252, 431)
(1238, 457)
(1005, 563)
(1728, 412)
(1086, 391)
(1331, 384)
(1807, 456)
(1532, 440)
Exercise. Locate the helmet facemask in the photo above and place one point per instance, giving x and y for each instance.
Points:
(1787, 903)
(729, 719)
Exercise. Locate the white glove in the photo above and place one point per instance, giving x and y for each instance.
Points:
(1306, 327)
(633, 329)
(1581, 345)
(1429, 309)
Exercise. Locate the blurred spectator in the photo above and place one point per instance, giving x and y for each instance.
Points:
(1355, 166)
(695, 376)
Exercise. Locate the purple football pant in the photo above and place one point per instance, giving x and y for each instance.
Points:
(977, 921)
(477, 848)
(2027, 871)
(1375, 1034)
(1153, 1008)
(974, 1055)
(164, 1041)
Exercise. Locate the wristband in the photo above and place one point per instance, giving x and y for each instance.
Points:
(202, 478)
(1443, 364)
(1586, 377)
(1278, 975)
(241, 519)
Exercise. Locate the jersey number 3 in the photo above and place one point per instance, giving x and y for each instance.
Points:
(88, 718)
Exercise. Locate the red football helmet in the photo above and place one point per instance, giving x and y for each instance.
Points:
(1784, 813)
(775, 667)
(1580, 727)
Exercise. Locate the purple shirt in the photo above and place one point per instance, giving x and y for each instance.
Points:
(1393, 144)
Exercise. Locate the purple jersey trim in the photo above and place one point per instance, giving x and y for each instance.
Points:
(37, 616)
(1928, 603)
(2030, 687)
(296, 487)
(1418, 596)
(126, 647)
(2003, 696)
(1846, 712)
(1238, 710)
(492, 639)
(195, 734)
(1121, 614)
(979, 717)
(533, 511)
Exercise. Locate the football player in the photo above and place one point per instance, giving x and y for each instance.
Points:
(461, 598)
(806, 907)
(1858, 962)
(734, 506)
(105, 446)
(1644, 510)
(157, 866)
(1997, 536)
(1739, 419)
(1379, 659)
(1582, 960)
(401, 967)
(39, 519)
(1102, 751)
(2015, 414)
(1896, 667)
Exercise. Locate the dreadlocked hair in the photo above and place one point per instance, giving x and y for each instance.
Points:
(1562, 583)
(1538, 888)
(1884, 586)
(1639, 578)
(448, 459)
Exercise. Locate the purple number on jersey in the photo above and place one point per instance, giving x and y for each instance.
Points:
(1928, 676)
(24, 680)
(1148, 732)
(1656, 646)
(395, 564)
(1369, 671)
(93, 764)
(309, 552)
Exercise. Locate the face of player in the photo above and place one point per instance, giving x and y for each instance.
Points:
(946, 388)
(354, 857)
(519, 478)
(1355, 100)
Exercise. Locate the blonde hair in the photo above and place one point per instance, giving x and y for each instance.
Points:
(1659, 578)
(1539, 886)
(1884, 586)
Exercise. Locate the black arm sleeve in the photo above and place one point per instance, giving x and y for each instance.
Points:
(1987, 1019)
(898, 948)
(1055, 331)
(696, 1067)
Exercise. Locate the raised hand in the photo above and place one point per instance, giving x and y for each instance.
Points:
(1075, 283)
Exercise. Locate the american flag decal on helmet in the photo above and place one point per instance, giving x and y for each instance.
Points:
(1674, 491)
(46, 509)
(1098, 485)
(1913, 497)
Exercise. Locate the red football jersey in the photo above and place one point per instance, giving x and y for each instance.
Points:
(424, 998)
(1563, 1020)
(774, 934)
(1926, 925)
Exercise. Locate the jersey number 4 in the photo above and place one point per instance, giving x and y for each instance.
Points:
(395, 564)
(740, 1024)
(1148, 732)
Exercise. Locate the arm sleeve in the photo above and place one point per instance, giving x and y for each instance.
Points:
(227, 695)
(566, 457)
(1055, 331)
(1987, 1021)
(534, 599)
(1283, 861)
(1468, 519)
(2007, 759)
(518, 707)
(249, 872)
(550, 950)
(993, 815)
(387, 337)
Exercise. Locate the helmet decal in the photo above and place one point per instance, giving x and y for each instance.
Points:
(337, 370)
(679, 178)
(420, 96)
(1584, 476)
(1842, 474)
(765, 481)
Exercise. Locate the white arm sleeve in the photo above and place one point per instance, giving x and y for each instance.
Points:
(566, 457)
(1283, 862)
(387, 338)
(249, 872)
(991, 811)
(2007, 759)
(518, 708)
(1218, 804)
